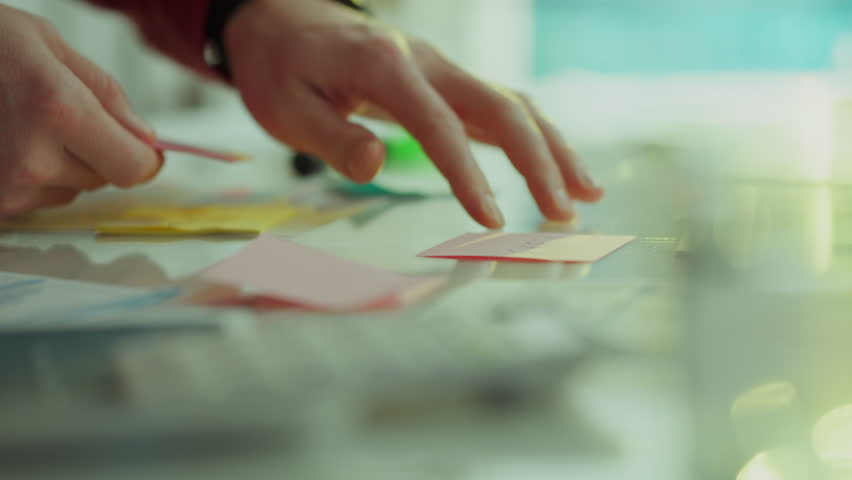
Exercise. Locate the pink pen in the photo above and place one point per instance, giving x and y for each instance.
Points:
(169, 146)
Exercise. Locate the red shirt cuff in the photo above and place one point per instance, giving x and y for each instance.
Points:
(174, 27)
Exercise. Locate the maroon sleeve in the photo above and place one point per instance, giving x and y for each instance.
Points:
(175, 27)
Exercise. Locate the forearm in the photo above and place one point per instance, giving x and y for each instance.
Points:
(174, 27)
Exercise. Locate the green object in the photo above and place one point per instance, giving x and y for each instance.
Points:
(405, 152)
(407, 168)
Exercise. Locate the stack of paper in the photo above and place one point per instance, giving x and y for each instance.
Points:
(199, 220)
(169, 220)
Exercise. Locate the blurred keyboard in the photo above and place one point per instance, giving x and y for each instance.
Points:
(211, 384)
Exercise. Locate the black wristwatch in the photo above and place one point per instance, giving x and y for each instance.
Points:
(219, 12)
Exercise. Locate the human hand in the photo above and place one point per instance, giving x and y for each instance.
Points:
(65, 125)
(303, 66)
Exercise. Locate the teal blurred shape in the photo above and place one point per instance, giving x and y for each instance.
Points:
(666, 36)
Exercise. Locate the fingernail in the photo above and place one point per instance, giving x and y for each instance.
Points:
(489, 204)
(587, 180)
(562, 200)
(140, 126)
(161, 160)
(563, 203)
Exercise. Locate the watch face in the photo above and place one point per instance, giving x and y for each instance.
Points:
(212, 54)
(216, 59)
(218, 14)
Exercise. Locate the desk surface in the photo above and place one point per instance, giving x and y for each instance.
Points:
(686, 311)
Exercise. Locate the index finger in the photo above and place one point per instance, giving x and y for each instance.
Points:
(410, 99)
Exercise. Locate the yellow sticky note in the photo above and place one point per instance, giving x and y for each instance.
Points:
(54, 223)
(198, 220)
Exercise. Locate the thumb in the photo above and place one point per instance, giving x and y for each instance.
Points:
(109, 93)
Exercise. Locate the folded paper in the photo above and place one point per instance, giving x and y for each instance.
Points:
(273, 271)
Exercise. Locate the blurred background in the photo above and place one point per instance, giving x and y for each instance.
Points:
(536, 38)
(721, 130)
(637, 69)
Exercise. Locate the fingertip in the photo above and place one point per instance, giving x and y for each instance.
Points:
(146, 168)
(561, 216)
(589, 190)
(492, 224)
(161, 160)
(589, 194)
(596, 194)
(563, 207)
(492, 216)
(581, 185)
(365, 161)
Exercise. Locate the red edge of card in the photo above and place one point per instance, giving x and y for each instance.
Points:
(272, 303)
(493, 259)
(474, 258)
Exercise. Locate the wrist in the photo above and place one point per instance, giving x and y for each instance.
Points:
(223, 16)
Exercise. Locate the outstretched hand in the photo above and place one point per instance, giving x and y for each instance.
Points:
(304, 66)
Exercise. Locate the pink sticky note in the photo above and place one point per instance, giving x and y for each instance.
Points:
(281, 272)
(170, 146)
(529, 247)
